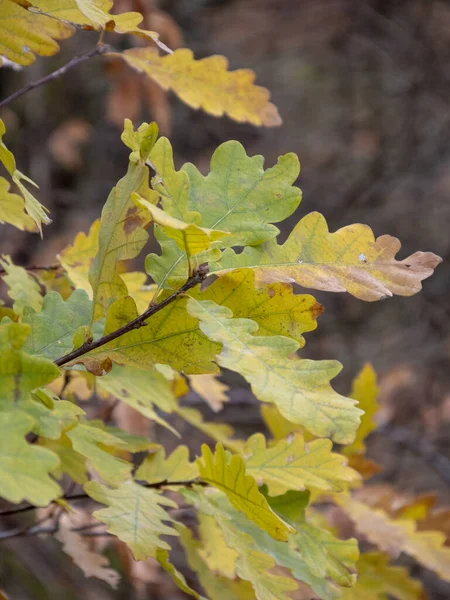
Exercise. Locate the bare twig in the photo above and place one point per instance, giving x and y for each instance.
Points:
(54, 267)
(198, 276)
(76, 60)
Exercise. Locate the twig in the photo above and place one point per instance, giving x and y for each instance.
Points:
(54, 267)
(198, 276)
(76, 60)
(83, 496)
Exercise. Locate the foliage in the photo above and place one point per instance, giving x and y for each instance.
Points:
(260, 503)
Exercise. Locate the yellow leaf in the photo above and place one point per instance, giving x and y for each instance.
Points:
(227, 473)
(276, 309)
(278, 426)
(77, 258)
(348, 260)
(24, 34)
(219, 557)
(12, 209)
(365, 390)
(135, 515)
(300, 388)
(206, 84)
(293, 465)
(176, 467)
(395, 536)
(210, 389)
(139, 290)
(376, 578)
(22, 287)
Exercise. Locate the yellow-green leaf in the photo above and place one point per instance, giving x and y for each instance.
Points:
(300, 388)
(219, 557)
(23, 288)
(293, 465)
(176, 467)
(77, 258)
(227, 473)
(162, 556)
(12, 209)
(220, 432)
(206, 84)
(348, 260)
(365, 390)
(210, 389)
(24, 34)
(19, 372)
(90, 441)
(276, 309)
(135, 515)
(24, 468)
(71, 462)
(51, 415)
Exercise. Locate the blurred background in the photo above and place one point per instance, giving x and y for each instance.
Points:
(363, 87)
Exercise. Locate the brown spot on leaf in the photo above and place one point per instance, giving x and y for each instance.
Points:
(133, 220)
(317, 309)
(270, 292)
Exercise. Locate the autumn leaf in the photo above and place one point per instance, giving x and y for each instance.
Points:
(210, 389)
(19, 372)
(162, 557)
(227, 473)
(377, 578)
(134, 514)
(219, 432)
(12, 207)
(219, 557)
(206, 84)
(365, 391)
(348, 260)
(24, 468)
(122, 232)
(395, 536)
(24, 34)
(300, 388)
(276, 309)
(71, 462)
(23, 289)
(291, 464)
(51, 415)
(77, 258)
(176, 467)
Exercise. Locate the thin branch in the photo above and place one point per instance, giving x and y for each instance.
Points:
(198, 276)
(54, 267)
(76, 60)
(83, 496)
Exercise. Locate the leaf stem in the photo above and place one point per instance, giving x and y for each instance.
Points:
(198, 276)
(76, 60)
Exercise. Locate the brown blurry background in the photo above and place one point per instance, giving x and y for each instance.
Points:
(363, 87)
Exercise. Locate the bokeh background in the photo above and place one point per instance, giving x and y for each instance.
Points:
(363, 87)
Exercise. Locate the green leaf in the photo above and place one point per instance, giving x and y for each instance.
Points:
(142, 390)
(71, 462)
(300, 388)
(24, 468)
(135, 515)
(239, 196)
(22, 287)
(52, 416)
(227, 473)
(90, 442)
(276, 309)
(19, 372)
(291, 464)
(121, 234)
(141, 141)
(365, 391)
(176, 467)
(53, 328)
(377, 579)
(12, 208)
(171, 336)
(348, 260)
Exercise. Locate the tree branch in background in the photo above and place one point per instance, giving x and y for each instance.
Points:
(76, 60)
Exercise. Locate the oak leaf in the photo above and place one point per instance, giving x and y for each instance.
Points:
(23, 288)
(12, 208)
(176, 467)
(210, 389)
(365, 391)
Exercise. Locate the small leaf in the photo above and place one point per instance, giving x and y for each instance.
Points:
(206, 84)
(227, 473)
(77, 258)
(300, 388)
(24, 468)
(12, 209)
(22, 287)
(91, 563)
(293, 465)
(349, 260)
(19, 372)
(210, 389)
(135, 515)
(176, 467)
(88, 442)
(365, 390)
